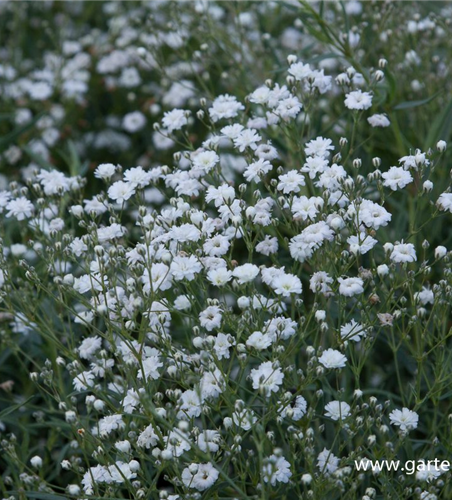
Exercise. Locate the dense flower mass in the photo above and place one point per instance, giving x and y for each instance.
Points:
(225, 259)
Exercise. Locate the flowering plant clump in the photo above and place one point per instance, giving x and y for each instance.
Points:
(225, 265)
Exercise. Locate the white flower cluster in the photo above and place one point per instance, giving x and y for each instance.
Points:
(251, 315)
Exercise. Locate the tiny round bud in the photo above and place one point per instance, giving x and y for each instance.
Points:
(36, 462)
(440, 252)
(379, 75)
(376, 162)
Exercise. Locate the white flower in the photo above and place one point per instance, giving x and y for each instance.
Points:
(382, 270)
(287, 284)
(403, 252)
(205, 161)
(297, 411)
(260, 95)
(219, 277)
(20, 208)
(379, 120)
(276, 469)
(361, 244)
(290, 182)
(185, 233)
(225, 106)
(133, 122)
(254, 171)
(209, 441)
(327, 462)
(87, 283)
(319, 147)
(259, 341)
(137, 177)
(177, 443)
(445, 202)
(440, 252)
(369, 213)
(248, 138)
(190, 405)
(36, 462)
(406, 419)
(315, 165)
(216, 246)
(396, 178)
(244, 418)
(350, 286)
(109, 424)
(174, 120)
(268, 246)
(288, 108)
(306, 208)
(353, 331)
(332, 359)
(232, 131)
(89, 346)
(83, 380)
(222, 345)
(320, 282)
(185, 268)
(220, 195)
(245, 273)
(337, 410)
(300, 71)
(303, 245)
(150, 366)
(158, 277)
(111, 232)
(425, 296)
(132, 400)
(267, 378)
(121, 191)
(201, 477)
(280, 327)
(357, 99)
(210, 318)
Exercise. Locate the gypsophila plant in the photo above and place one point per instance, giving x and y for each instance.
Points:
(225, 267)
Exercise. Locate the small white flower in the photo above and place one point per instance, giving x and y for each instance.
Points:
(36, 462)
(379, 120)
(201, 477)
(351, 286)
(396, 178)
(267, 378)
(406, 419)
(174, 120)
(403, 252)
(276, 469)
(332, 359)
(245, 273)
(358, 99)
(337, 410)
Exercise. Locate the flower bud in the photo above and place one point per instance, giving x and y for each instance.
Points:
(440, 252)
(36, 462)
